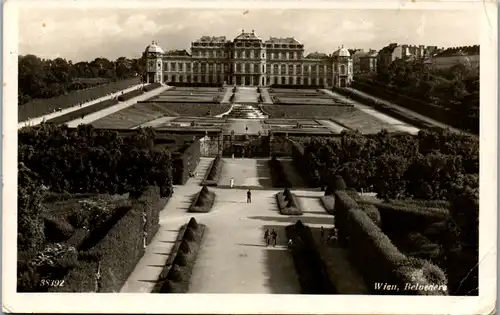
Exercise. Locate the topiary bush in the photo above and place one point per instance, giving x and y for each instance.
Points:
(203, 201)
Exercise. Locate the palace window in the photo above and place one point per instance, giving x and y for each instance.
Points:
(283, 69)
(320, 81)
(180, 66)
(268, 71)
(247, 67)
(210, 67)
(290, 69)
(225, 67)
(342, 69)
(218, 67)
(313, 81)
(247, 54)
(275, 69)
(313, 69)
(203, 67)
(195, 67)
(238, 67)
(256, 68)
(188, 79)
(173, 78)
(283, 80)
(207, 54)
(172, 66)
(188, 67)
(329, 69)
(180, 78)
(298, 69)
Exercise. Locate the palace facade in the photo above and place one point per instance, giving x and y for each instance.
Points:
(248, 60)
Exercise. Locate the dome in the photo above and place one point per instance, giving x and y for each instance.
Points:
(342, 52)
(154, 48)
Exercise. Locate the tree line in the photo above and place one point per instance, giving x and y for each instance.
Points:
(46, 78)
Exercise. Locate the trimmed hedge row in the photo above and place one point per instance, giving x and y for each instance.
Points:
(312, 271)
(129, 95)
(213, 173)
(185, 161)
(278, 174)
(288, 203)
(151, 87)
(82, 112)
(366, 242)
(328, 203)
(40, 107)
(150, 204)
(176, 274)
(203, 201)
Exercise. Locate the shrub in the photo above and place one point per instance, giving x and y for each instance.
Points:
(185, 161)
(328, 203)
(130, 95)
(57, 229)
(213, 173)
(151, 87)
(203, 201)
(288, 206)
(192, 224)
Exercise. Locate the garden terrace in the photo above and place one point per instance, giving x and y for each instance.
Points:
(40, 107)
(190, 109)
(134, 116)
(303, 97)
(195, 95)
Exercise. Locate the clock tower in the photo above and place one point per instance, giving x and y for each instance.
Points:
(154, 63)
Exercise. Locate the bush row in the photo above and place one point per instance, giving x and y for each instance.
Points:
(214, 172)
(40, 107)
(190, 84)
(185, 161)
(82, 112)
(312, 272)
(278, 174)
(366, 242)
(203, 201)
(130, 95)
(176, 274)
(288, 203)
(151, 87)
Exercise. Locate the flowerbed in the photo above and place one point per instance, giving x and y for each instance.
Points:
(288, 203)
(203, 201)
(176, 274)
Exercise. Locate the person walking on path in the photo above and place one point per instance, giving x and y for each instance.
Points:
(266, 237)
(322, 235)
(274, 235)
(231, 182)
(249, 196)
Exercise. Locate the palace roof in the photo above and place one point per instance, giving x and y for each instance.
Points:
(247, 36)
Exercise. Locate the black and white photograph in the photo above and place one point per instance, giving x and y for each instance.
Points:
(218, 157)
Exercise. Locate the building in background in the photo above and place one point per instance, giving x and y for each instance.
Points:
(467, 56)
(408, 52)
(248, 60)
(368, 61)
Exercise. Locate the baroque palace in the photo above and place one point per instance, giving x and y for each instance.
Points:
(248, 60)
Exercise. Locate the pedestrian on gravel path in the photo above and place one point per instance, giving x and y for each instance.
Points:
(274, 236)
(266, 237)
(231, 182)
(249, 196)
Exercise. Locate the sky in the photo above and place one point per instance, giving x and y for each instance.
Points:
(85, 34)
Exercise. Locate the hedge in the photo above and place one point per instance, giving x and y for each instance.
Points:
(203, 201)
(130, 95)
(116, 247)
(312, 271)
(288, 203)
(213, 173)
(151, 87)
(278, 175)
(84, 111)
(176, 274)
(150, 203)
(57, 229)
(343, 203)
(185, 161)
(40, 107)
(367, 242)
(396, 219)
(328, 203)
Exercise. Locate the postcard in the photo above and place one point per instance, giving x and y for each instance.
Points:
(245, 157)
